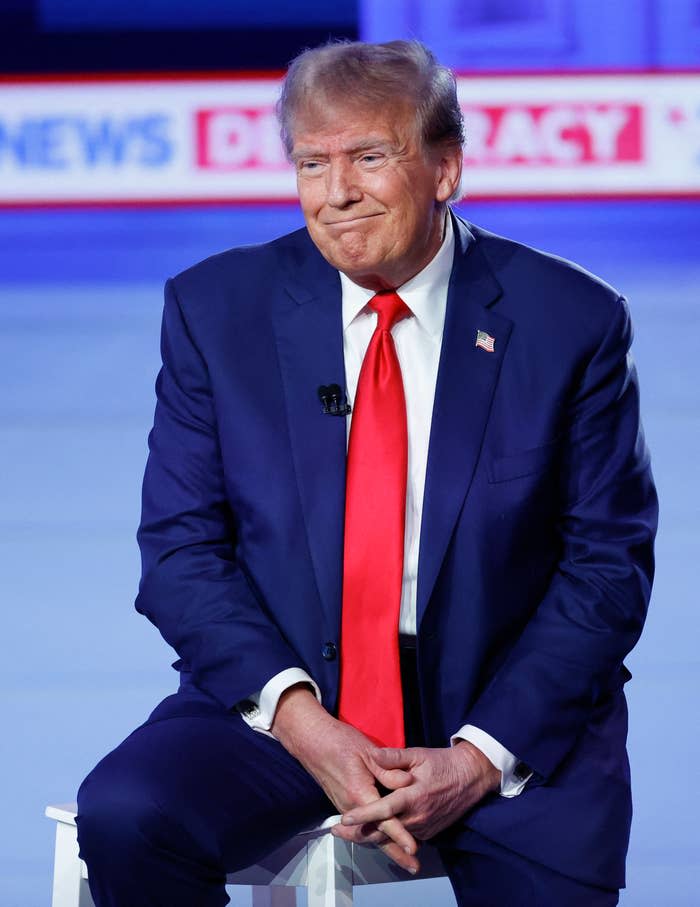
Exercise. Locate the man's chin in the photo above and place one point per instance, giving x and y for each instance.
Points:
(349, 254)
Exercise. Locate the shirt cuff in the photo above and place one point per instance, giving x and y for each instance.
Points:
(514, 774)
(258, 710)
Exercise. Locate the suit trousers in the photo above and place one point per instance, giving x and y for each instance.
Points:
(194, 793)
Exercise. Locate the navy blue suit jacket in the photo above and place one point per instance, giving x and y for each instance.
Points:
(536, 543)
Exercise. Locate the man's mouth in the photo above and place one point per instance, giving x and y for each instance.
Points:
(349, 221)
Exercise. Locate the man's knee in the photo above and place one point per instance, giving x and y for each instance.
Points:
(117, 812)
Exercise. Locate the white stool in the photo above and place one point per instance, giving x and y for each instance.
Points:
(326, 866)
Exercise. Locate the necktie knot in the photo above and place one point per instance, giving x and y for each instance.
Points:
(390, 308)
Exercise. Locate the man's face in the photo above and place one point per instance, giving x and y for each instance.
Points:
(371, 195)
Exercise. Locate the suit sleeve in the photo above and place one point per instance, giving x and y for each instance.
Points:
(592, 614)
(193, 587)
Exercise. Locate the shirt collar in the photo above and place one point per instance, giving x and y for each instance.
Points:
(425, 294)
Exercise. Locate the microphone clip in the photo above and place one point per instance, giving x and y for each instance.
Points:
(333, 400)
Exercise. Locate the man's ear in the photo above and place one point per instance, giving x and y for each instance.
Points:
(449, 172)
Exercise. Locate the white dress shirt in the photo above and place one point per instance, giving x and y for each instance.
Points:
(417, 340)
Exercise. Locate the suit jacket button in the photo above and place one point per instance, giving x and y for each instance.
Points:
(329, 651)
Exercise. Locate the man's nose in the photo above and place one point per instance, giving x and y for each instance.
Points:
(342, 185)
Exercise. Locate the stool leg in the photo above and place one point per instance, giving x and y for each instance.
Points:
(70, 889)
(329, 872)
(274, 896)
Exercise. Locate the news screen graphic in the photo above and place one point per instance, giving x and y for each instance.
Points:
(216, 139)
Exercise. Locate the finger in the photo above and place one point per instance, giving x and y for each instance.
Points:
(392, 778)
(360, 834)
(392, 827)
(377, 837)
(364, 833)
(395, 830)
(370, 833)
(390, 757)
(378, 810)
(406, 861)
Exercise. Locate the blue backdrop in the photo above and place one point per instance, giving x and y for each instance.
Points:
(75, 15)
(80, 300)
(543, 34)
(80, 35)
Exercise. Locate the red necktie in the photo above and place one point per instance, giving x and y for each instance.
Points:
(375, 512)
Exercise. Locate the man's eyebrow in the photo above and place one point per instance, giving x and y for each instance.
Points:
(371, 142)
(364, 145)
(305, 151)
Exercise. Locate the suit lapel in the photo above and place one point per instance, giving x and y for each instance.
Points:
(467, 378)
(309, 332)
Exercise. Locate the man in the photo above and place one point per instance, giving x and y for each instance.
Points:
(490, 539)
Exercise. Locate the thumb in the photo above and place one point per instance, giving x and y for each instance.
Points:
(390, 767)
(392, 778)
(392, 758)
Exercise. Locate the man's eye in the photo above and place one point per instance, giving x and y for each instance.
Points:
(309, 167)
(371, 158)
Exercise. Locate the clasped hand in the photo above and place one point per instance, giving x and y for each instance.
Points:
(429, 789)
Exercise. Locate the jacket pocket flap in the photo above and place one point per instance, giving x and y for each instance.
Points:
(523, 463)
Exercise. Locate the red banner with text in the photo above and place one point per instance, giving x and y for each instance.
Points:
(162, 140)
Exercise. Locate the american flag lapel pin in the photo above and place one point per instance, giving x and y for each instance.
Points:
(485, 341)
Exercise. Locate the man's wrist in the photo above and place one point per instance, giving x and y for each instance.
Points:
(297, 711)
(479, 765)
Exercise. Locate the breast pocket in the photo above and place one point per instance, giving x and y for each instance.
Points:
(523, 463)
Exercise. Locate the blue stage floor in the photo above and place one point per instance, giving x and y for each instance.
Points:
(80, 300)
